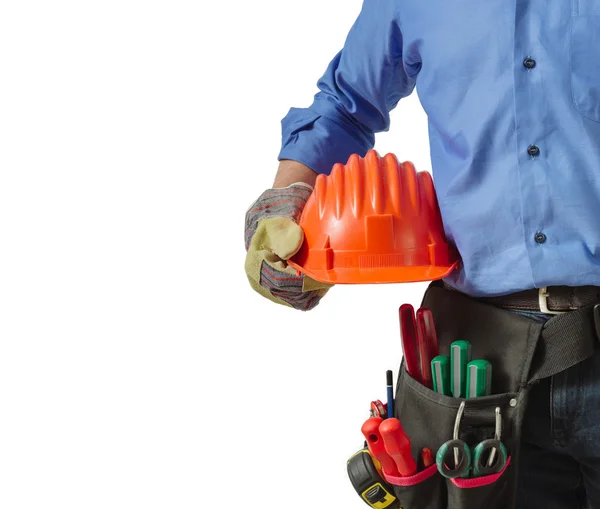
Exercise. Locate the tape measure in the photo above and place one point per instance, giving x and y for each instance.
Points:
(369, 484)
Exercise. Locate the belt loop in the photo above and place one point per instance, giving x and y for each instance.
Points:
(543, 300)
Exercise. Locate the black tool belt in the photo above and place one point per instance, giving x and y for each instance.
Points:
(522, 352)
(552, 298)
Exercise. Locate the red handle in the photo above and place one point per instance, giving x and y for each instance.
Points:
(408, 334)
(427, 455)
(370, 429)
(397, 445)
(427, 344)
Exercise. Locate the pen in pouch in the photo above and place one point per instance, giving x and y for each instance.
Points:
(390, 393)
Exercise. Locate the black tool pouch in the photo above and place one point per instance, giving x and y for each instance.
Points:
(424, 489)
(521, 351)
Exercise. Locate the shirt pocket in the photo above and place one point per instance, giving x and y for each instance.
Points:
(585, 58)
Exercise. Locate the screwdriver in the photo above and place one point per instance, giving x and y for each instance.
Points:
(408, 334)
(440, 369)
(397, 444)
(460, 356)
(427, 343)
(479, 378)
(427, 457)
(370, 430)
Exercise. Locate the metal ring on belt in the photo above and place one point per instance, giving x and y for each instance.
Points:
(552, 299)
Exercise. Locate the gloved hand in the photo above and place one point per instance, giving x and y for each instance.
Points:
(273, 236)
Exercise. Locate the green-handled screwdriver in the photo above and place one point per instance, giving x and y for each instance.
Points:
(460, 356)
(479, 378)
(440, 371)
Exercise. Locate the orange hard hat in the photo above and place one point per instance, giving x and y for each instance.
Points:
(374, 221)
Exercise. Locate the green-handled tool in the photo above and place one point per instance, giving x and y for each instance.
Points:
(489, 456)
(493, 450)
(440, 371)
(479, 378)
(460, 356)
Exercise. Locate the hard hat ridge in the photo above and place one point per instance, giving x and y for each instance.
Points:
(374, 220)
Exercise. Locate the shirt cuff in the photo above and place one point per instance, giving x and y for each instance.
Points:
(319, 142)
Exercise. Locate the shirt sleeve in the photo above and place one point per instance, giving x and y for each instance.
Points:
(360, 87)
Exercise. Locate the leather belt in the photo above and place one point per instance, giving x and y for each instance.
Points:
(557, 299)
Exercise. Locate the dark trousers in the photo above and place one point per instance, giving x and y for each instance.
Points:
(560, 451)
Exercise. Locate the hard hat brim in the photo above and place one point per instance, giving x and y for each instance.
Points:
(379, 275)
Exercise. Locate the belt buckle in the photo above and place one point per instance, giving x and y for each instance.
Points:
(543, 301)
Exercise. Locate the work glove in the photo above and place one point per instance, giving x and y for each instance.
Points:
(272, 236)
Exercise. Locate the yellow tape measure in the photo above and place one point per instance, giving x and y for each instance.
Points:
(378, 497)
(369, 484)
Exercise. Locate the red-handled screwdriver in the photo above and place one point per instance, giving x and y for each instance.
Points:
(427, 344)
(408, 334)
(397, 445)
(370, 429)
(427, 456)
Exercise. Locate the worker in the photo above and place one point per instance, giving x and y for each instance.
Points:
(511, 90)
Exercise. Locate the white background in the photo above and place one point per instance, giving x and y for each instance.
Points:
(138, 369)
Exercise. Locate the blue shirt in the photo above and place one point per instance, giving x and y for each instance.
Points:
(511, 89)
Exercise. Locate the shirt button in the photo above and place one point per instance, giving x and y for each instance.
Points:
(533, 150)
(529, 63)
(540, 238)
